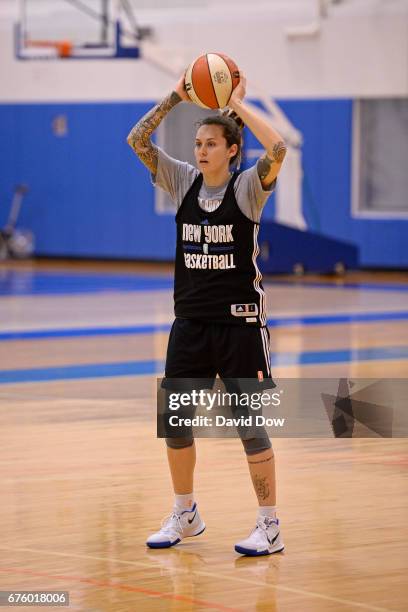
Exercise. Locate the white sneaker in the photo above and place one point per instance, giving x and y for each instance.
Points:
(176, 527)
(265, 539)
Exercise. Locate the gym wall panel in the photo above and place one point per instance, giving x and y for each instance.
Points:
(326, 126)
(327, 186)
(91, 197)
(89, 194)
(304, 54)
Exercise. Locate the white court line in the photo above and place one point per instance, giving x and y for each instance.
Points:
(218, 576)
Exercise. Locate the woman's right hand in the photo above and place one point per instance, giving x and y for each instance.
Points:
(180, 89)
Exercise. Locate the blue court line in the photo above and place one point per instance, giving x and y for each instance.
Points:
(43, 283)
(326, 285)
(140, 368)
(42, 334)
(20, 282)
(76, 372)
(340, 355)
(356, 317)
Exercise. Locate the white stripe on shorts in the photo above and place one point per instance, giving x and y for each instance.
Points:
(264, 336)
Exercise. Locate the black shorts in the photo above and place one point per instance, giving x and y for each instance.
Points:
(198, 351)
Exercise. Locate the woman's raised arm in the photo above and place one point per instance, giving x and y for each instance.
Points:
(139, 136)
(270, 163)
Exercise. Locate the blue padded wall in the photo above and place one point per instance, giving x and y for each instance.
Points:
(91, 197)
(89, 194)
(327, 132)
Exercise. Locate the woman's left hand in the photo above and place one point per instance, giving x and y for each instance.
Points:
(240, 90)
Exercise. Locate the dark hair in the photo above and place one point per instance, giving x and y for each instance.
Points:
(231, 127)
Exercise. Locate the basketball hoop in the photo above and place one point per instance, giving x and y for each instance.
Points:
(57, 48)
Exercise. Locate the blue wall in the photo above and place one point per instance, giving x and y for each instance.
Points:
(90, 196)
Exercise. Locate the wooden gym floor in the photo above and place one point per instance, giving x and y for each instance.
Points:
(84, 479)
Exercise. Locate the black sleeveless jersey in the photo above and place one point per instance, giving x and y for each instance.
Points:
(216, 275)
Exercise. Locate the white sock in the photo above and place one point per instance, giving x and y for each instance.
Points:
(268, 511)
(183, 502)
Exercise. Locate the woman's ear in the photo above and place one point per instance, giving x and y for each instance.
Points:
(233, 150)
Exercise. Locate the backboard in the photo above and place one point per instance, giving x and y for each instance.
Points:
(75, 29)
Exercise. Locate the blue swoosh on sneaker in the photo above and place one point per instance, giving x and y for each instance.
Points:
(273, 539)
(191, 520)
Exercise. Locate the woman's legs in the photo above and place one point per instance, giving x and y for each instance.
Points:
(185, 520)
(266, 538)
(262, 470)
(182, 463)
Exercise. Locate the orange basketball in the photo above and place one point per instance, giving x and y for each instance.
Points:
(210, 80)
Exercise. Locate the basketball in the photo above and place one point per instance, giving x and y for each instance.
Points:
(210, 80)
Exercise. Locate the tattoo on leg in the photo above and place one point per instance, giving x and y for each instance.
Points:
(261, 487)
(261, 461)
(139, 136)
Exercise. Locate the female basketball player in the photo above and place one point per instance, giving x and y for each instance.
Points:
(220, 326)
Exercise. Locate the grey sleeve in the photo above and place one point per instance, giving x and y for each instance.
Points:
(173, 176)
(250, 195)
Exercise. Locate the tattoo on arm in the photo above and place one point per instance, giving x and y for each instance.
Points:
(262, 460)
(261, 487)
(279, 152)
(264, 166)
(265, 162)
(139, 136)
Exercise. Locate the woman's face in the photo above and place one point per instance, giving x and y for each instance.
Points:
(211, 150)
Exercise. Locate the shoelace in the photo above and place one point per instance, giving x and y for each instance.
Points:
(264, 524)
(172, 523)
